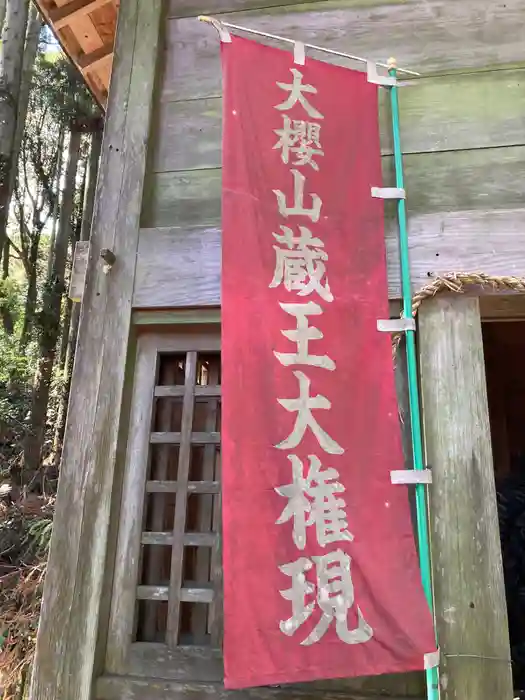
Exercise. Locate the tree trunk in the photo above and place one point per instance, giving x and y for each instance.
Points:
(31, 47)
(66, 323)
(5, 260)
(31, 296)
(11, 61)
(28, 66)
(85, 232)
(2, 19)
(5, 313)
(56, 206)
(50, 316)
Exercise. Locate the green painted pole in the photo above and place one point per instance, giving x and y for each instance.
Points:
(432, 674)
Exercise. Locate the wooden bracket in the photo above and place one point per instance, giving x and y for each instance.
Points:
(78, 271)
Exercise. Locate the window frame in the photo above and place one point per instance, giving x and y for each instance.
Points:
(123, 655)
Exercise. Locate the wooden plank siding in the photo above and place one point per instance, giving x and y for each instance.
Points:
(446, 113)
(435, 37)
(462, 124)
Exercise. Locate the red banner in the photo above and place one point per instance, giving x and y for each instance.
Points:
(321, 577)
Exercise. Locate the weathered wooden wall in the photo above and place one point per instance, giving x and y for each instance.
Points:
(463, 134)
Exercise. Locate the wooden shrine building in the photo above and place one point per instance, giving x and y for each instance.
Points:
(132, 602)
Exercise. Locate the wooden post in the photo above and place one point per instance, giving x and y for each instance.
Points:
(69, 623)
(470, 605)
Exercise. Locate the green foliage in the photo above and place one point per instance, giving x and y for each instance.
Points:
(38, 537)
(9, 294)
(58, 88)
(57, 99)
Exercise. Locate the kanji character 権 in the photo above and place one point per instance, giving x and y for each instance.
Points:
(315, 499)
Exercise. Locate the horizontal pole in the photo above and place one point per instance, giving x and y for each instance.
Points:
(216, 22)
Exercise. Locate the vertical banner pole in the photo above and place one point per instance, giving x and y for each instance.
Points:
(432, 674)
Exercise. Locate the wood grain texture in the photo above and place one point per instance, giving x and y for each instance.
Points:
(445, 113)
(441, 36)
(471, 614)
(72, 592)
(114, 688)
(122, 656)
(208, 563)
(153, 573)
(176, 317)
(482, 179)
(182, 267)
(502, 308)
(126, 567)
(181, 504)
(189, 539)
(189, 664)
(193, 8)
(209, 487)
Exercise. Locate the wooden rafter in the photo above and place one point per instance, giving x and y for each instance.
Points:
(86, 31)
(94, 60)
(62, 16)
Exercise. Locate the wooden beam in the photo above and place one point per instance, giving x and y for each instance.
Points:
(368, 27)
(72, 600)
(471, 612)
(78, 271)
(181, 266)
(96, 59)
(62, 16)
(116, 688)
(502, 308)
(188, 133)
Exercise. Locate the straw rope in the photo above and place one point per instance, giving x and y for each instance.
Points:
(456, 282)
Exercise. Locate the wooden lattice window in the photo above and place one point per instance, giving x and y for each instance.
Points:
(166, 611)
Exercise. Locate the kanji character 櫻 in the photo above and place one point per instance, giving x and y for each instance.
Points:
(300, 138)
